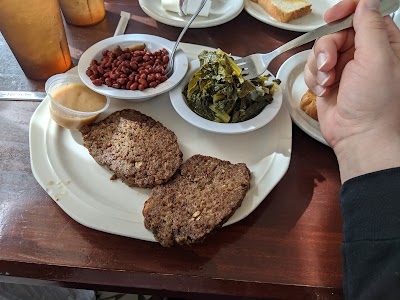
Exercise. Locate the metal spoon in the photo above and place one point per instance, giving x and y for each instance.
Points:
(182, 11)
(170, 66)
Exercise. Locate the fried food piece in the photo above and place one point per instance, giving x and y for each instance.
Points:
(201, 197)
(136, 148)
(308, 104)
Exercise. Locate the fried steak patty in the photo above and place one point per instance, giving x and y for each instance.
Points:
(201, 197)
(138, 149)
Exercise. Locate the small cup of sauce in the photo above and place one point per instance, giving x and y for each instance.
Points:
(73, 105)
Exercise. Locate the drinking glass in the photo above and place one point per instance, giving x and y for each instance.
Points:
(35, 32)
(83, 12)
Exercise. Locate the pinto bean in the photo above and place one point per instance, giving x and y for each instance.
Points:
(153, 84)
(134, 86)
(97, 82)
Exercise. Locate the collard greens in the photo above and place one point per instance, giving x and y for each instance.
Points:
(218, 91)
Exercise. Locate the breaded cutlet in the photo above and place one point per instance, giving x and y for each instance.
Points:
(201, 197)
(136, 148)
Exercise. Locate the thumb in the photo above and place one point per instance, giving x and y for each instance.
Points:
(370, 27)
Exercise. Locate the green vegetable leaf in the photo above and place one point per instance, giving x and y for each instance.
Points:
(218, 91)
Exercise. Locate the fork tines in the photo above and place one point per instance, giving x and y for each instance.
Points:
(243, 64)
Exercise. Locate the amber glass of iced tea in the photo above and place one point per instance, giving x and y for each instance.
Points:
(83, 12)
(35, 32)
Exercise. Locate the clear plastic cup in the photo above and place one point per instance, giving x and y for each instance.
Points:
(69, 110)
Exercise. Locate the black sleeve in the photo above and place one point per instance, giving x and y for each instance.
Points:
(371, 235)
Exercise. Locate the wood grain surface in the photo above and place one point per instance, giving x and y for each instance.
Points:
(288, 248)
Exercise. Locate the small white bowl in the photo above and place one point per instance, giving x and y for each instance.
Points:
(263, 118)
(153, 43)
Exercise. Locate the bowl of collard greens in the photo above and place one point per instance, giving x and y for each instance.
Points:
(215, 97)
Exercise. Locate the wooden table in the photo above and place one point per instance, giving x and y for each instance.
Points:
(288, 248)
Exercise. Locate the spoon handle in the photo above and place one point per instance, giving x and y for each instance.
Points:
(187, 26)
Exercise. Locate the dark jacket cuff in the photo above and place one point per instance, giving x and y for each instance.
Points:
(371, 206)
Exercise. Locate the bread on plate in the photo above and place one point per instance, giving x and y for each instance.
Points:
(285, 10)
(308, 104)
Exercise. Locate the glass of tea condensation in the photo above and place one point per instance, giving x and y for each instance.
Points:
(35, 32)
(83, 12)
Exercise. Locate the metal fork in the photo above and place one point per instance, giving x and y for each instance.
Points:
(256, 64)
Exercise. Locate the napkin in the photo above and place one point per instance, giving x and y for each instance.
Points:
(189, 7)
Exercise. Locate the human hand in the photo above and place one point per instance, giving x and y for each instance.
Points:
(356, 73)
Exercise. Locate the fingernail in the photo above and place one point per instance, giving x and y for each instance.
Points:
(373, 4)
(322, 77)
(321, 60)
(319, 90)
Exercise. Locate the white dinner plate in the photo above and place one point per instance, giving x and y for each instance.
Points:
(179, 103)
(307, 23)
(153, 43)
(291, 73)
(83, 189)
(221, 12)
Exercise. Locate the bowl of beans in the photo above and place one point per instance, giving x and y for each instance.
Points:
(131, 66)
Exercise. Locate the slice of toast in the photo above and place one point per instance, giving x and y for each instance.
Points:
(286, 10)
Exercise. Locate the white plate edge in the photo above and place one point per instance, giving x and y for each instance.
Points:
(196, 23)
(248, 7)
(44, 170)
(283, 73)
